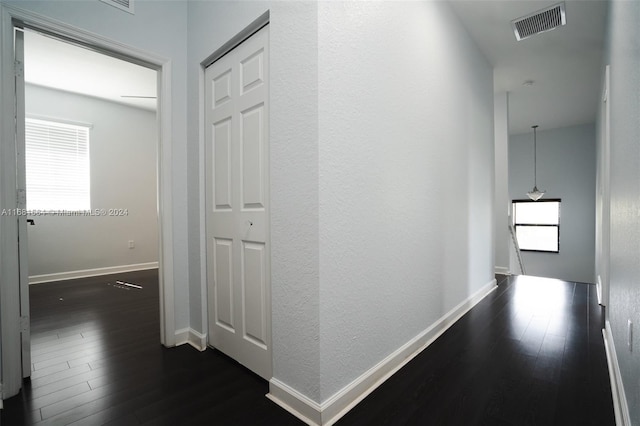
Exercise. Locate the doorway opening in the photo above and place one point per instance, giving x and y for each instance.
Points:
(15, 285)
(91, 149)
(91, 201)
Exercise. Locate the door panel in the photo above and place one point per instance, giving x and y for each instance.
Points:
(222, 88)
(237, 204)
(252, 71)
(253, 279)
(252, 158)
(222, 164)
(223, 275)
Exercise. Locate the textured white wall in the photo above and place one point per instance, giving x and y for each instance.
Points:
(406, 177)
(566, 170)
(402, 241)
(294, 172)
(123, 145)
(502, 199)
(158, 27)
(623, 54)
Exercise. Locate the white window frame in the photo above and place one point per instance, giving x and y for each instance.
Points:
(520, 224)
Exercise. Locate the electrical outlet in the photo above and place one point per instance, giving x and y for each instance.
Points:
(132, 244)
(630, 335)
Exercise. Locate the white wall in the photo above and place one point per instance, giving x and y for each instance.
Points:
(566, 170)
(123, 145)
(502, 199)
(382, 180)
(293, 173)
(406, 177)
(623, 54)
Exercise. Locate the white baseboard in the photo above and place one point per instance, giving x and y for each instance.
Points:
(502, 270)
(331, 410)
(620, 407)
(294, 402)
(192, 337)
(84, 273)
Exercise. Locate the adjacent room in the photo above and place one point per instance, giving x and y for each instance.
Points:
(91, 162)
(90, 157)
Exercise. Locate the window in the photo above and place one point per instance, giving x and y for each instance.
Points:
(57, 166)
(537, 225)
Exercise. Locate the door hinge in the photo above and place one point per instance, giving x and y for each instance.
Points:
(21, 198)
(18, 68)
(24, 324)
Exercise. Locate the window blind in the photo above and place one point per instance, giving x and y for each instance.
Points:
(57, 166)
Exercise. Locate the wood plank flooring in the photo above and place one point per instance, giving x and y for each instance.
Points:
(97, 360)
(531, 353)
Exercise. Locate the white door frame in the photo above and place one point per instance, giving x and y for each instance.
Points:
(23, 249)
(605, 180)
(10, 17)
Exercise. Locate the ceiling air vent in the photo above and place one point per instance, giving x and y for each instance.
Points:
(126, 5)
(539, 22)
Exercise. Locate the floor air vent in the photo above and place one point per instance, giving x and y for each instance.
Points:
(539, 22)
(124, 285)
(126, 5)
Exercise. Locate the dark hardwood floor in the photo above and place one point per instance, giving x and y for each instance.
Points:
(531, 353)
(97, 360)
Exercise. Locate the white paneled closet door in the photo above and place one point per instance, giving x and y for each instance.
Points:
(237, 203)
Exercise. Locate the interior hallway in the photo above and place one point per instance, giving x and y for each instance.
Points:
(531, 353)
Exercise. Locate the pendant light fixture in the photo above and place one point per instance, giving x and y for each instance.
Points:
(535, 194)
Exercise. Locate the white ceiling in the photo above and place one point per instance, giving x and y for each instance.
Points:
(565, 64)
(52, 63)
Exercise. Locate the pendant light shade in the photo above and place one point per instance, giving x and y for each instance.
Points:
(535, 194)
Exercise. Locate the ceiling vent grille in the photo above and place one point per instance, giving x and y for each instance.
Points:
(126, 5)
(539, 22)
